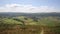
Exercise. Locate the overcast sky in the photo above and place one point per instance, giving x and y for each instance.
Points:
(30, 6)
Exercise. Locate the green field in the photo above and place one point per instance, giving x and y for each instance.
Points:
(25, 25)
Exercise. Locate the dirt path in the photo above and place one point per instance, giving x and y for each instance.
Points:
(42, 31)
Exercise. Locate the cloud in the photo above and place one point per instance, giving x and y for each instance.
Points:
(26, 8)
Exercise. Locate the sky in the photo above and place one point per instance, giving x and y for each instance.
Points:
(30, 6)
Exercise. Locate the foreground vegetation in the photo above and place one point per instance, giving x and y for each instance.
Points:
(26, 25)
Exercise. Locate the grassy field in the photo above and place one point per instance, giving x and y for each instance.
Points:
(31, 29)
(22, 25)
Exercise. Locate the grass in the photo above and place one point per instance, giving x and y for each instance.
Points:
(11, 26)
(30, 29)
